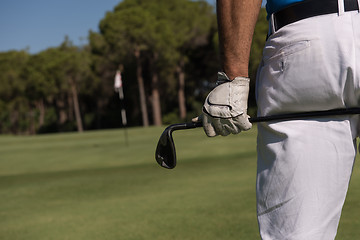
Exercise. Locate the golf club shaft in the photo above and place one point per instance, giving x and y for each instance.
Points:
(187, 125)
(290, 116)
(302, 115)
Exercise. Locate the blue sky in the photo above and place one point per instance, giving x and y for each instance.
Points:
(39, 24)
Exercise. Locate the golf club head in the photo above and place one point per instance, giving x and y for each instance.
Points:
(165, 153)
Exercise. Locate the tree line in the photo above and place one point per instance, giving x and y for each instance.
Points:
(167, 52)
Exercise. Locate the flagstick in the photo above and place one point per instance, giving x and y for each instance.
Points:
(118, 88)
(123, 117)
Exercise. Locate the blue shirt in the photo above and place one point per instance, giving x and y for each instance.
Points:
(275, 5)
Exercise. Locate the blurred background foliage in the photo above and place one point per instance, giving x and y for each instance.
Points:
(167, 52)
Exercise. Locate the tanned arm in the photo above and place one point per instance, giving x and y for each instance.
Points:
(236, 23)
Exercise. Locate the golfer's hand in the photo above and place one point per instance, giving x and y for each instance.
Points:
(225, 108)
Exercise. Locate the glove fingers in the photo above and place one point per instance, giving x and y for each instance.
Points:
(232, 127)
(242, 122)
(208, 127)
(221, 126)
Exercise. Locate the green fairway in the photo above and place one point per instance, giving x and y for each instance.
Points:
(93, 186)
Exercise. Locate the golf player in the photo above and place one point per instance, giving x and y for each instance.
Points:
(311, 62)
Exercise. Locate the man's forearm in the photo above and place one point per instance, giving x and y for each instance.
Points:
(236, 23)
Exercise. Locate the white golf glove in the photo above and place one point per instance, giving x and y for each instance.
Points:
(225, 108)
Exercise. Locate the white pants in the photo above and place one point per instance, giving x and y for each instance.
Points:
(304, 166)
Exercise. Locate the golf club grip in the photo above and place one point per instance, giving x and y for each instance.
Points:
(299, 115)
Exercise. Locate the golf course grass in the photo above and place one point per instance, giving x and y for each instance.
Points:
(93, 186)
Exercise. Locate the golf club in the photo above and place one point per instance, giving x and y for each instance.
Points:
(165, 153)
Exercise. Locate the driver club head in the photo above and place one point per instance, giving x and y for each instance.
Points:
(165, 153)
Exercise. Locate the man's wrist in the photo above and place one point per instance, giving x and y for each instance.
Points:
(235, 67)
(232, 74)
(223, 77)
